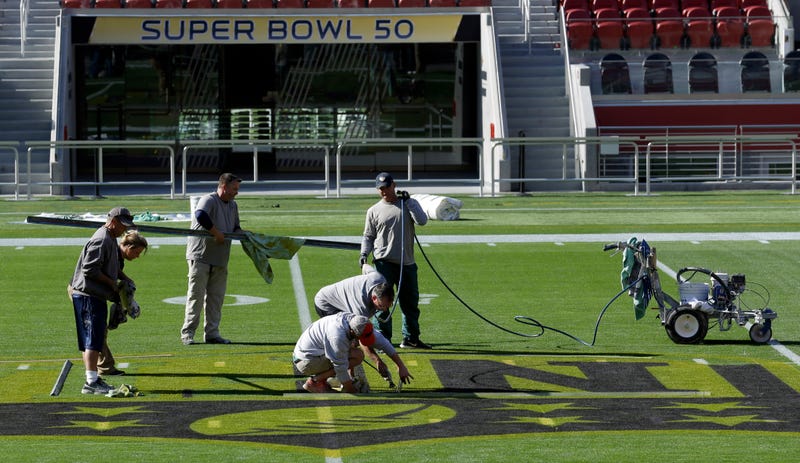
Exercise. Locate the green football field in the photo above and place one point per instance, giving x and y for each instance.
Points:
(492, 389)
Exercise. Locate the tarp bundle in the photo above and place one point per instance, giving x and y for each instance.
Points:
(260, 248)
(439, 207)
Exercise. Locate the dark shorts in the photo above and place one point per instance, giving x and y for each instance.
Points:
(91, 314)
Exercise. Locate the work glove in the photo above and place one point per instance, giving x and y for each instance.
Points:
(362, 260)
(403, 195)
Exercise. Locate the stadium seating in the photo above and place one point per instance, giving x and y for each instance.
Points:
(626, 5)
(107, 4)
(699, 27)
(686, 4)
(380, 4)
(259, 4)
(442, 3)
(321, 4)
(760, 27)
(669, 27)
(229, 4)
(139, 4)
(604, 5)
(655, 5)
(658, 74)
(744, 4)
(169, 4)
(290, 3)
(568, 5)
(411, 3)
(580, 31)
(703, 74)
(638, 28)
(729, 27)
(614, 75)
(755, 73)
(198, 4)
(608, 28)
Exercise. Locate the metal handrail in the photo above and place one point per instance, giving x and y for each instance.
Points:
(13, 148)
(256, 146)
(409, 144)
(24, 7)
(99, 145)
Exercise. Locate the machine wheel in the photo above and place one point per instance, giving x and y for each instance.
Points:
(760, 334)
(686, 326)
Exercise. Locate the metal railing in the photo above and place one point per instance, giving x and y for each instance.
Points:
(24, 7)
(409, 144)
(690, 159)
(12, 148)
(566, 144)
(99, 147)
(257, 147)
(632, 160)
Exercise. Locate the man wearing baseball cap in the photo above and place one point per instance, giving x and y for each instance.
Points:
(389, 237)
(94, 282)
(331, 346)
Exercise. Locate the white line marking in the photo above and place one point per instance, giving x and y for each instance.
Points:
(701, 361)
(303, 311)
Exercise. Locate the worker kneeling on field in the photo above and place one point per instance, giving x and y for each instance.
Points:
(331, 347)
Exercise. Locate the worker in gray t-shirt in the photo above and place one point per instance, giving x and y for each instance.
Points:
(208, 257)
(361, 295)
(389, 236)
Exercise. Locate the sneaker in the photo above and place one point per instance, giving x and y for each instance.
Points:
(98, 387)
(316, 386)
(187, 341)
(219, 340)
(414, 344)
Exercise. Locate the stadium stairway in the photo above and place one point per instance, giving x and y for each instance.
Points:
(534, 85)
(26, 84)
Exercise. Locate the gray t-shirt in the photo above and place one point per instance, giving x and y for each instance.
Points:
(224, 216)
(328, 337)
(382, 231)
(99, 255)
(352, 295)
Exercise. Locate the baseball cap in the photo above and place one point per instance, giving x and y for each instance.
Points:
(123, 215)
(363, 329)
(383, 179)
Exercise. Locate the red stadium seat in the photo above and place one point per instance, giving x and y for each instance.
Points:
(442, 3)
(353, 4)
(608, 28)
(760, 28)
(75, 4)
(744, 4)
(655, 5)
(580, 31)
(380, 4)
(730, 27)
(411, 3)
(626, 5)
(638, 28)
(290, 3)
(604, 5)
(568, 5)
(139, 4)
(721, 3)
(107, 4)
(169, 4)
(686, 4)
(321, 4)
(259, 4)
(699, 27)
(198, 4)
(230, 4)
(669, 27)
